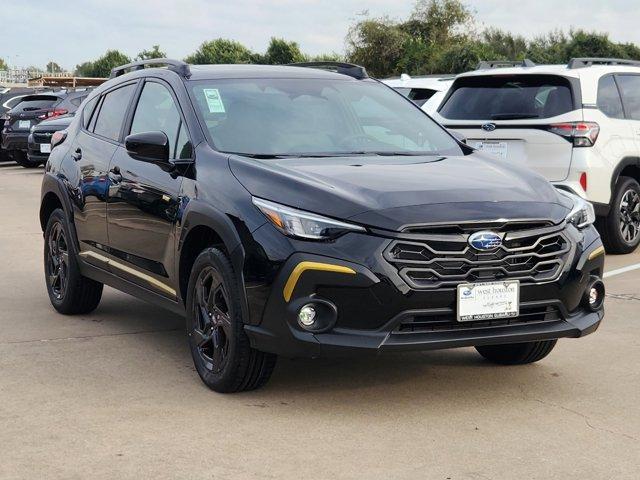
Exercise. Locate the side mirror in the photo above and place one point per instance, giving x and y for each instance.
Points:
(150, 147)
(461, 138)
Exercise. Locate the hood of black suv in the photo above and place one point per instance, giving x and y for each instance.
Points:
(393, 192)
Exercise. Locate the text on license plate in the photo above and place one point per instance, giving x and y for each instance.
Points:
(24, 124)
(498, 149)
(45, 148)
(488, 301)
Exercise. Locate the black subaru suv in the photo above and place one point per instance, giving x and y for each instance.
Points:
(297, 211)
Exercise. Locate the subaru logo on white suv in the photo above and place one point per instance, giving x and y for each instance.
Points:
(489, 127)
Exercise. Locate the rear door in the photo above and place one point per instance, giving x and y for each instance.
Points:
(509, 117)
(92, 149)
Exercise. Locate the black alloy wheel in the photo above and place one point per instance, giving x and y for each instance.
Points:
(212, 330)
(57, 261)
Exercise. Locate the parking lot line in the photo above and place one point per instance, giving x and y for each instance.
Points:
(619, 271)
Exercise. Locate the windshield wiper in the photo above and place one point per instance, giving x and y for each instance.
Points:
(513, 116)
(394, 153)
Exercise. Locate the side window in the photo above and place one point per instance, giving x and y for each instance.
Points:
(157, 112)
(609, 101)
(630, 90)
(87, 111)
(112, 111)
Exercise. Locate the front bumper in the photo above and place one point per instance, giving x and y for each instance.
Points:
(33, 151)
(377, 312)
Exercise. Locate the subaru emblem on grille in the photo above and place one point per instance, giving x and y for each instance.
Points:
(489, 127)
(485, 241)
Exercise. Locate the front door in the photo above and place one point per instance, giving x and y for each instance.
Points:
(144, 199)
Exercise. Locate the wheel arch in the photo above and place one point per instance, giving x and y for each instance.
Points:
(628, 167)
(53, 196)
(206, 227)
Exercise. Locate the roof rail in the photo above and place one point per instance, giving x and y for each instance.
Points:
(487, 64)
(178, 66)
(355, 71)
(589, 61)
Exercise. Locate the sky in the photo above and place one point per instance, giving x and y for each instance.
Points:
(73, 31)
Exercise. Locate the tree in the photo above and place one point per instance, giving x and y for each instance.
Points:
(53, 67)
(221, 50)
(386, 47)
(281, 52)
(155, 52)
(377, 44)
(84, 69)
(102, 66)
(462, 57)
(3, 65)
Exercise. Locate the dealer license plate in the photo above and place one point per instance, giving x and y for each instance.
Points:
(488, 301)
(498, 149)
(45, 148)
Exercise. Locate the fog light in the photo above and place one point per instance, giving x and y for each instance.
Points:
(307, 316)
(594, 295)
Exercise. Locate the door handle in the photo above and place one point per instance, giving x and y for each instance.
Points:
(114, 174)
(77, 155)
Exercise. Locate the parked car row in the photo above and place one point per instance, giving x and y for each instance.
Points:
(25, 112)
(576, 124)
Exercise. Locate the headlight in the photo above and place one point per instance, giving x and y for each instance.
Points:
(300, 224)
(582, 213)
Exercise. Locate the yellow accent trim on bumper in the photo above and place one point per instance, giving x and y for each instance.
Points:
(597, 252)
(125, 268)
(303, 267)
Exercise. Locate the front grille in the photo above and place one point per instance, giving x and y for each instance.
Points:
(42, 137)
(531, 256)
(445, 320)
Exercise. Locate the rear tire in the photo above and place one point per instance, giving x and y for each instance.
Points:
(21, 159)
(620, 229)
(69, 291)
(517, 353)
(220, 348)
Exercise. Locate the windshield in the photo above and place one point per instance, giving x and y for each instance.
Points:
(508, 97)
(298, 117)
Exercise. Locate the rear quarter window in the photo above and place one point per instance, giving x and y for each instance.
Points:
(505, 97)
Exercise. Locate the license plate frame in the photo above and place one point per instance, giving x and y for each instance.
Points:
(45, 148)
(496, 148)
(24, 124)
(485, 299)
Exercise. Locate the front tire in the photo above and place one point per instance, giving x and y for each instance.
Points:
(219, 345)
(69, 291)
(620, 229)
(517, 353)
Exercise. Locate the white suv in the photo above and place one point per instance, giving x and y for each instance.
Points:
(576, 124)
(427, 92)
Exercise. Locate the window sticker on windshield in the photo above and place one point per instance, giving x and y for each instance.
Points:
(214, 101)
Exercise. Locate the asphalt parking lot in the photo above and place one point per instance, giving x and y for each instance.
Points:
(114, 395)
